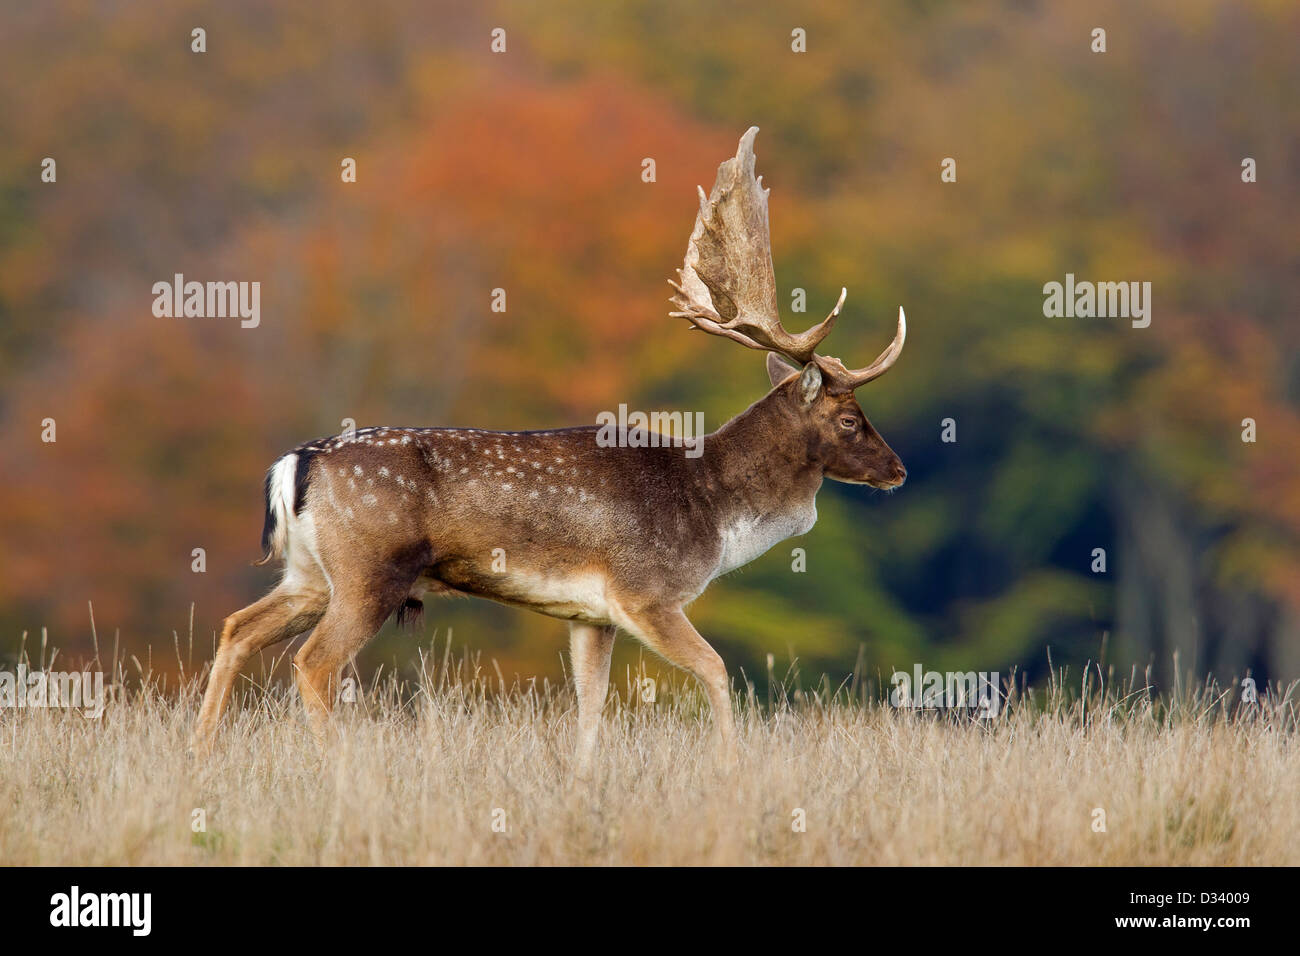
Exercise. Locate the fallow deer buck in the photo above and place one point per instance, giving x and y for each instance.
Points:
(605, 537)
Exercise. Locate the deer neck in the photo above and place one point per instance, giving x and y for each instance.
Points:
(765, 485)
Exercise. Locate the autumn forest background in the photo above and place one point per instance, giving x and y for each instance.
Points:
(522, 170)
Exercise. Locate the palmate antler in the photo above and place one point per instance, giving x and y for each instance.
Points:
(727, 285)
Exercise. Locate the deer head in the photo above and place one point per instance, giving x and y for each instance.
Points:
(727, 287)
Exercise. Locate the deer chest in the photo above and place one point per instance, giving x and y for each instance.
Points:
(747, 536)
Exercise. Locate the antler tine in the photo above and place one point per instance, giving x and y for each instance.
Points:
(824, 326)
(704, 319)
(849, 379)
(774, 337)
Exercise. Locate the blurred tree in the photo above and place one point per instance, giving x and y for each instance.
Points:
(522, 172)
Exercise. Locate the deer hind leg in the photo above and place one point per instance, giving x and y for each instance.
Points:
(666, 631)
(342, 632)
(590, 647)
(356, 612)
(292, 608)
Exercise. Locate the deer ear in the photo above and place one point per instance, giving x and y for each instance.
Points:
(810, 383)
(778, 369)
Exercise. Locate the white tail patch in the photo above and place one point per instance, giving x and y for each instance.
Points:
(279, 503)
(301, 561)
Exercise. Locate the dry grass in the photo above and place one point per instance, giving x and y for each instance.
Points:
(419, 767)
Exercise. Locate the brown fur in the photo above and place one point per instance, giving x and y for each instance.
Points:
(431, 507)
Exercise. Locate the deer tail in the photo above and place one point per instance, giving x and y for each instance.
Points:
(281, 492)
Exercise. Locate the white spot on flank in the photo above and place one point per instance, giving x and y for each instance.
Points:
(356, 469)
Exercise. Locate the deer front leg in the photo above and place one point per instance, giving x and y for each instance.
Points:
(667, 632)
(590, 647)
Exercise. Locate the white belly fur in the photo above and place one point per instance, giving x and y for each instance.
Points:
(579, 596)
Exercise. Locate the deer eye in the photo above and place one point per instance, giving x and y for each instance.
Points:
(849, 423)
